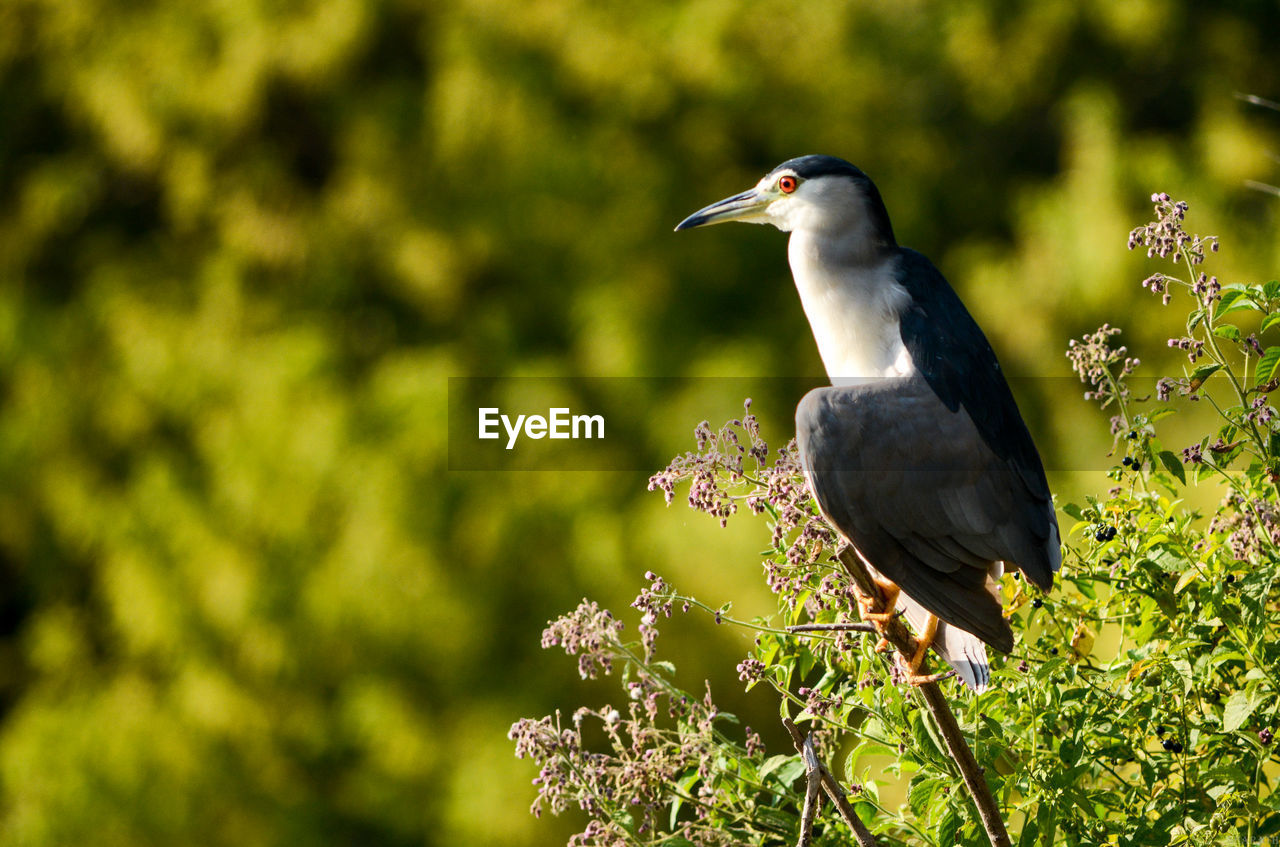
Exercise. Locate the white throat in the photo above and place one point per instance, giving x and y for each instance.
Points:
(854, 314)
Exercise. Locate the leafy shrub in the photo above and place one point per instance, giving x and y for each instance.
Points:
(1140, 701)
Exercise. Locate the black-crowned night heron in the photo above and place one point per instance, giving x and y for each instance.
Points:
(916, 453)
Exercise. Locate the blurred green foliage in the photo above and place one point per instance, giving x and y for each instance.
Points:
(243, 244)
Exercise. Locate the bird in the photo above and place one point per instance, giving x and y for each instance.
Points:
(916, 453)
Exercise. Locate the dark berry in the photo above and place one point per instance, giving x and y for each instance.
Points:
(1265, 736)
(1231, 578)
(1053, 651)
(1177, 747)
(1037, 603)
(1159, 730)
(1167, 744)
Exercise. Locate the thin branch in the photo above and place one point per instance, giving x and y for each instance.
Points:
(1262, 186)
(832, 627)
(811, 800)
(896, 633)
(814, 766)
(1257, 101)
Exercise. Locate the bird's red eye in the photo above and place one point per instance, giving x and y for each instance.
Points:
(788, 184)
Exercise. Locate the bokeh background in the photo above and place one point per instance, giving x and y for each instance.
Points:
(245, 243)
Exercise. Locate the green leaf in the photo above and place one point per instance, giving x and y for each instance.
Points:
(1267, 365)
(1074, 511)
(1231, 332)
(1069, 751)
(1194, 319)
(1047, 822)
(807, 661)
(667, 668)
(1230, 294)
(1241, 305)
(1271, 289)
(1233, 300)
(948, 827)
(686, 787)
(1226, 772)
(870, 748)
(773, 763)
(1203, 372)
(920, 793)
(775, 819)
(1183, 667)
(994, 728)
(1173, 465)
(927, 742)
(1270, 321)
(1050, 667)
(1237, 711)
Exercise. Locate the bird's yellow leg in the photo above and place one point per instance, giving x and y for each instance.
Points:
(879, 619)
(891, 592)
(923, 642)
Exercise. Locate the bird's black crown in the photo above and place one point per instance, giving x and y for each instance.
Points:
(808, 167)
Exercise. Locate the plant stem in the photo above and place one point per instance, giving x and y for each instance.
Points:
(698, 604)
(1212, 341)
(804, 746)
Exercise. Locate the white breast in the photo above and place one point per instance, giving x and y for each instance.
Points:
(854, 315)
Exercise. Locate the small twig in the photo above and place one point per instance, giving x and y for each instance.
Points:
(813, 765)
(1265, 188)
(811, 800)
(832, 627)
(896, 633)
(1258, 101)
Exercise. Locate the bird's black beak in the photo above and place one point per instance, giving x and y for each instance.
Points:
(748, 206)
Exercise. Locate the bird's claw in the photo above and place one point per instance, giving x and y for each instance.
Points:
(866, 604)
(916, 680)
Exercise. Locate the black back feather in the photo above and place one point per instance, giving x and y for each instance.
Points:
(950, 350)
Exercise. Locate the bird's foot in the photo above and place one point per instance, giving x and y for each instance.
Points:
(911, 668)
(917, 679)
(880, 620)
(866, 604)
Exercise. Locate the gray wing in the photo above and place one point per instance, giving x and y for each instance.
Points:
(924, 499)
